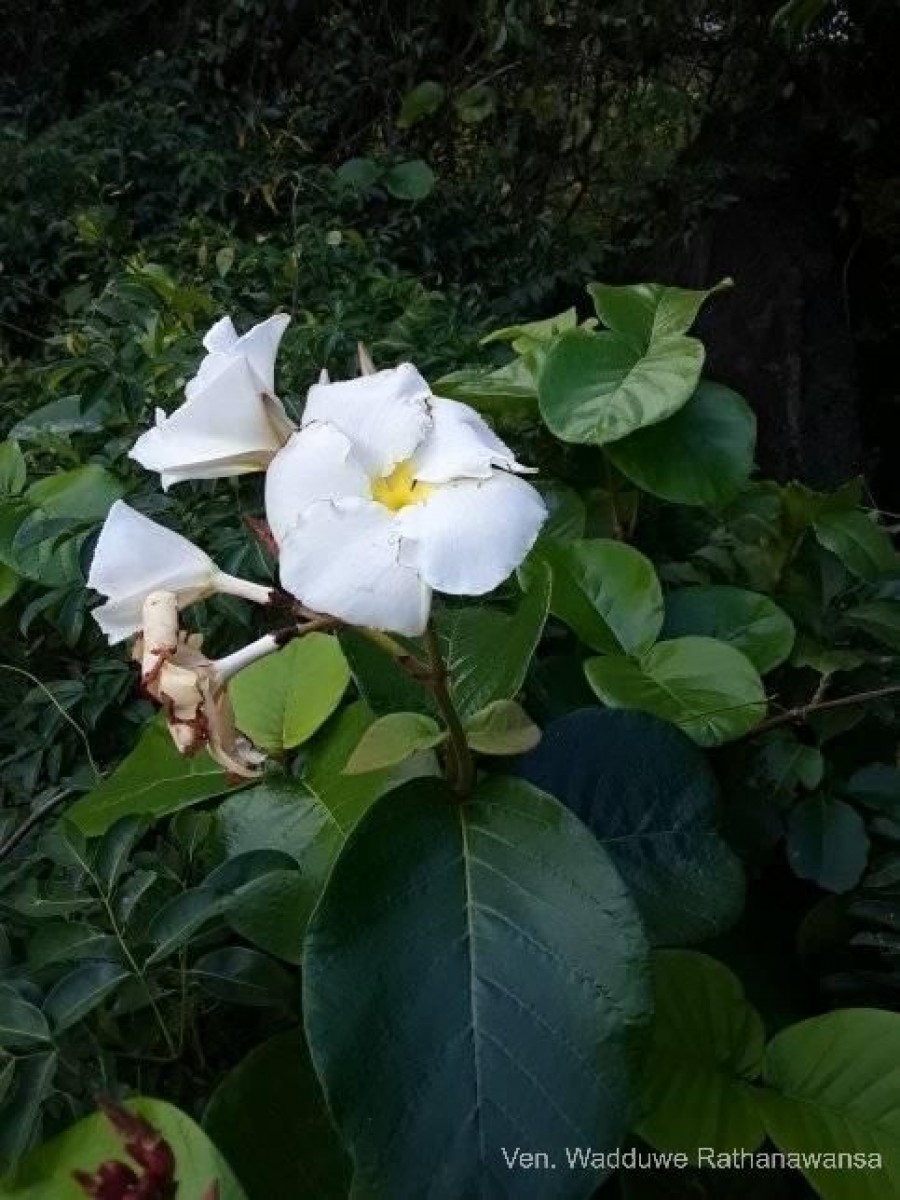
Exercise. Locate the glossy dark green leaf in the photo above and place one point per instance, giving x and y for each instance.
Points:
(702, 455)
(651, 798)
(20, 1120)
(268, 1117)
(179, 919)
(69, 941)
(749, 621)
(495, 962)
(382, 682)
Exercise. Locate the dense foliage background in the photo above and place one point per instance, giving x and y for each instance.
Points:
(414, 176)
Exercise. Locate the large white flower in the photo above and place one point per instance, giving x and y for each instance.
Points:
(387, 492)
(135, 556)
(231, 422)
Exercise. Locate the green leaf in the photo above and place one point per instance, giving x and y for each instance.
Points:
(833, 1084)
(706, 1049)
(475, 104)
(87, 493)
(419, 102)
(880, 619)
(268, 1117)
(359, 174)
(20, 1120)
(646, 312)
(496, 967)
(783, 764)
(502, 727)
(48, 1170)
(746, 620)
(280, 701)
(863, 547)
(114, 850)
(508, 392)
(534, 334)
(13, 472)
(60, 417)
(652, 799)
(80, 991)
(21, 1024)
(827, 843)
(595, 388)
(710, 690)
(173, 925)
(271, 913)
(605, 590)
(487, 651)
(391, 740)
(69, 941)
(239, 975)
(877, 786)
(413, 180)
(152, 781)
(10, 583)
(381, 681)
(703, 454)
(307, 818)
(566, 510)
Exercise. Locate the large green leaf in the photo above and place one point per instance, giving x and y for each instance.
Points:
(496, 967)
(22, 1026)
(706, 1050)
(596, 387)
(701, 455)
(152, 781)
(651, 797)
(282, 700)
(47, 1171)
(268, 1117)
(488, 652)
(382, 682)
(749, 621)
(648, 311)
(605, 590)
(421, 101)
(833, 1087)
(20, 1120)
(13, 471)
(709, 689)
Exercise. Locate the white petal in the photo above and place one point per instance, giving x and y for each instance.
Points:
(258, 346)
(385, 415)
(343, 559)
(134, 557)
(460, 445)
(467, 537)
(317, 464)
(228, 428)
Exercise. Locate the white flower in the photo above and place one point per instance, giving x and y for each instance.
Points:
(135, 556)
(191, 688)
(231, 421)
(386, 492)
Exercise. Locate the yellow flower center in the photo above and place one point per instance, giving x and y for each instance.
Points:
(400, 488)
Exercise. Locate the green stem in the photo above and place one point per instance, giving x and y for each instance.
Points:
(460, 763)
